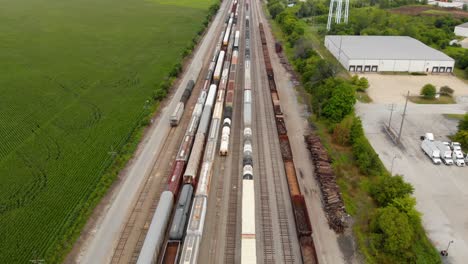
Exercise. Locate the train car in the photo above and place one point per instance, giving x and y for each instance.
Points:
(224, 146)
(303, 226)
(247, 171)
(291, 177)
(175, 178)
(247, 114)
(197, 216)
(203, 186)
(228, 32)
(219, 66)
(281, 126)
(177, 229)
(309, 254)
(236, 40)
(155, 236)
(248, 234)
(190, 249)
(185, 148)
(193, 164)
(285, 148)
(171, 252)
(177, 114)
(207, 109)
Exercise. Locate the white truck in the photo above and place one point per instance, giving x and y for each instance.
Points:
(458, 158)
(455, 146)
(430, 149)
(445, 152)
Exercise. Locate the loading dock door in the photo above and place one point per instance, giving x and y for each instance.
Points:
(359, 68)
(352, 68)
(435, 69)
(442, 69)
(367, 68)
(374, 68)
(449, 69)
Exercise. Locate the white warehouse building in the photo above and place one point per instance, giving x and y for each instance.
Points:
(387, 54)
(462, 30)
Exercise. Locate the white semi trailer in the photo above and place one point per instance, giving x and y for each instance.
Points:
(445, 152)
(431, 150)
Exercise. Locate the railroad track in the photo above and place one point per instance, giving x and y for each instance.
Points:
(130, 224)
(232, 232)
(282, 214)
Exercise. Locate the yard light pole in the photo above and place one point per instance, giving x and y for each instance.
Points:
(445, 252)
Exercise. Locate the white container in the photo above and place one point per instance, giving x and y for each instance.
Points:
(219, 66)
(177, 114)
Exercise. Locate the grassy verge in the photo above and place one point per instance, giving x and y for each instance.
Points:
(363, 97)
(454, 116)
(443, 99)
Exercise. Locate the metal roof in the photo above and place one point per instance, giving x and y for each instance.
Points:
(386, 47)
(464, 25)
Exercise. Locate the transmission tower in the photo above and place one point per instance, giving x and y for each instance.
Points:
(338, 12)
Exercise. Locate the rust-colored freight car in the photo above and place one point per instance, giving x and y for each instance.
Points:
(301, 216)
(281, 126)
(286, 152)
(292, 178)
(309, 255)
(175, 178)
(171, 253)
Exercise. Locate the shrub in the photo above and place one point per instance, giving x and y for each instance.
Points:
(387, 188)
(445, 90)
(341, 132)
(463, 124)
(428, 91)
(392, 232)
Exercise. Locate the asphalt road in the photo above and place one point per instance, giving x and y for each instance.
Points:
(441, 191)
(100, 243)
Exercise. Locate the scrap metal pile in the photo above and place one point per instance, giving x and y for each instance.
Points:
(332, 201)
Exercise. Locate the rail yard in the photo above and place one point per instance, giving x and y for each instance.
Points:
(224, 187)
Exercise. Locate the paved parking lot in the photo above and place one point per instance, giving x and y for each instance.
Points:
(441, 191)
(393, 88)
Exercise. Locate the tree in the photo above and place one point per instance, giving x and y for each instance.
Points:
(363, 84)
(445, 90)
(428, 91)
(387, 188)
(394, 229)
(340, 104)
(461, 137)
(275, 9)
(463, 124)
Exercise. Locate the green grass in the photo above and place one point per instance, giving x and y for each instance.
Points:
(435, 12)
(454, 116)
(363, 97)
(443, 99)
(75, 79)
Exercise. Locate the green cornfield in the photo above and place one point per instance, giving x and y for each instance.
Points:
(75, 80)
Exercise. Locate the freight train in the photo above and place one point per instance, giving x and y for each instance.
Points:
(179, 109)
(301, 216)
(194, 232)
(185, 170)
(248, 233)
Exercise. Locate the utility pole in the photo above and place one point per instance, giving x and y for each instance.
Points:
(403, 119)
(392, 107)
